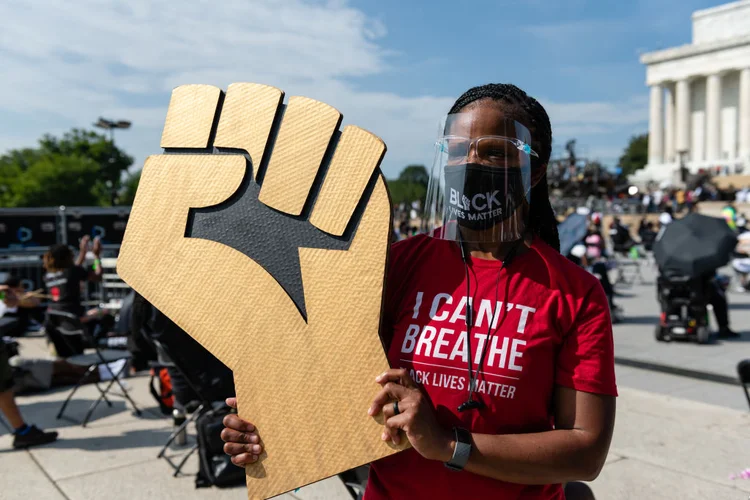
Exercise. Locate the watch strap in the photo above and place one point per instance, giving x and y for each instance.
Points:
(462, 450)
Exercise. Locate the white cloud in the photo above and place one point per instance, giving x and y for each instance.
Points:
(67, 63)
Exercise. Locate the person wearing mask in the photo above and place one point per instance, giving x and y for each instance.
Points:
(498, 245)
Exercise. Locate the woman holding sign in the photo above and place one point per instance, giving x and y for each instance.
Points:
(503, 378)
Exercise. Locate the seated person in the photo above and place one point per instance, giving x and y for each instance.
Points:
(620, 235)
(39, 374)
(64, 279)
(24, 435)
(586, 258)
(647, 234)
(20, 304)
(212, 377)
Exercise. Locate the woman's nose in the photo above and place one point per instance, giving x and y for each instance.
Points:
(472, 156)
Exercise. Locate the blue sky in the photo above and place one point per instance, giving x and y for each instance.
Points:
(390, 66)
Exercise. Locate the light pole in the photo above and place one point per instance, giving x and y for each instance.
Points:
(111, 125)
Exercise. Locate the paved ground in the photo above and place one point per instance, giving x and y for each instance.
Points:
(675, 437)
(635, 345)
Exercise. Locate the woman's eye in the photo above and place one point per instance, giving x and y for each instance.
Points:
(496, 153)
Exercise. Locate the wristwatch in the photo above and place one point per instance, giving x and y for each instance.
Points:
(462, 450)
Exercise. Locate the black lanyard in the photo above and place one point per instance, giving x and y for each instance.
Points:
(471, 403)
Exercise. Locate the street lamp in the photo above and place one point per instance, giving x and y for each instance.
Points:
(111, 125)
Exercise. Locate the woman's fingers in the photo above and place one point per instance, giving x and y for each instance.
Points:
(232, 436)
(235, 422)
(389, 409)
(239, 448)
(232, 402)
(244, 459)
(394, 425)
(398, 375)
(389, 392)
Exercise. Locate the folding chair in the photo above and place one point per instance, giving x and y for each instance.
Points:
(69, 326)
(743, 371)
(204, 404)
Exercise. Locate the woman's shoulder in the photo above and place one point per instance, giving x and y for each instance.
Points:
(563, 274)
(421, 247)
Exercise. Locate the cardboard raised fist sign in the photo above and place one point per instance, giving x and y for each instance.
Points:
(263, 232)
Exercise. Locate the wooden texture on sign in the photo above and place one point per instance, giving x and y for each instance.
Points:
(287, 295)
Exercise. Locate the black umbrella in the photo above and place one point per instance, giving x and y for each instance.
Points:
(694, 245)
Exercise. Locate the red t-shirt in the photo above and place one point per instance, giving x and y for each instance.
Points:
(554, 329)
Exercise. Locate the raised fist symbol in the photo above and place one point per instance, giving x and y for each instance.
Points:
(263, 232)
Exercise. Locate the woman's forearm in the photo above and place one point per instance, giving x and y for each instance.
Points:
(550, 457)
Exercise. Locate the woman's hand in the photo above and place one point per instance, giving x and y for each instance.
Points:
(83, 246)
(97, 248)
(416, 416)
(241, 439)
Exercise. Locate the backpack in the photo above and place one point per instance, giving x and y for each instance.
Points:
(163, 395)
(215, 466)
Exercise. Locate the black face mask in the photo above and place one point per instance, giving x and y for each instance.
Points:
(479, 197)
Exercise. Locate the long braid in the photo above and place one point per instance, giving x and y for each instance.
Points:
(542, 220)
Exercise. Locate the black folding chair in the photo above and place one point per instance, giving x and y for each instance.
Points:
(198, 407)
(743, 371)
(69, 326)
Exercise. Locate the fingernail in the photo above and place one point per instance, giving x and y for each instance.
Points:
(384, 436)
(369, 411)
(255, 457)
(256, 449)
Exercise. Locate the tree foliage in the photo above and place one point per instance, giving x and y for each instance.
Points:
(81, 168)
(635, 155)
(411, 185)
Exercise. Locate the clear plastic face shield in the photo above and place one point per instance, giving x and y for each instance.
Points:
(480, 184)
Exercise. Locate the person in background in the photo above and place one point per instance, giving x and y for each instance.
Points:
(741, 263)
(730, 215)
(24, 435)
(64, 279)
(743, 195)
(647, 234)
(20, 304)
(665, 218)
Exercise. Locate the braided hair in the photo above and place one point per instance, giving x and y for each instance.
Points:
(527, 110)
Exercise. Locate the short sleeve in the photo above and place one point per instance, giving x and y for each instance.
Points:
(586, 361)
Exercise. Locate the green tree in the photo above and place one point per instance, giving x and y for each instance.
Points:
(411, 185)
(130, 186)
(415, 174)
(80, 168)
(635, 155)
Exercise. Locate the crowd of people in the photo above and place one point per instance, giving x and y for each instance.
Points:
(594, 253)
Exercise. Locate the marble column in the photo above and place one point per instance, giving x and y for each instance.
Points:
(744, 110)
(656, 126)
(713, 117)
(669, 124)
(682, 98)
